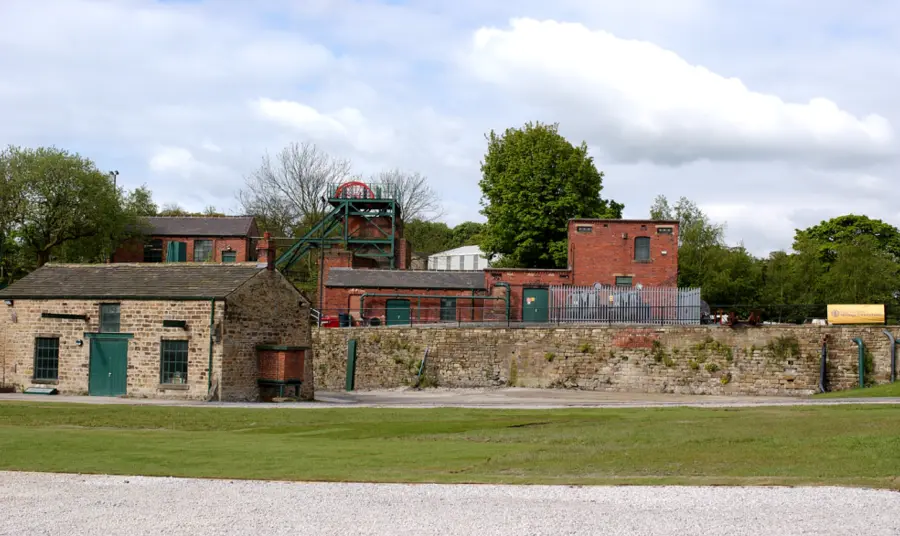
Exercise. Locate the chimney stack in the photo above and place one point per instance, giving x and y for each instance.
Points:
(266, 251)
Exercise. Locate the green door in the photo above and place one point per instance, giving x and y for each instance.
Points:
(536, 305)
(176, 252)
(109, 367)
(397, 313)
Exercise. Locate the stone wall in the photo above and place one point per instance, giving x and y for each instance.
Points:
(22, 322)
(782, 360)
(266, 310)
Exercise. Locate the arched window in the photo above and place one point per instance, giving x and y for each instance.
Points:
(642, 249)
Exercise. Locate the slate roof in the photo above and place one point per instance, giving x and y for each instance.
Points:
(348, 277)
(138, 281)
(230, 226)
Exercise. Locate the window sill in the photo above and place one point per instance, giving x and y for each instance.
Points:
(648, 261)
(173, 387)
(45, 382)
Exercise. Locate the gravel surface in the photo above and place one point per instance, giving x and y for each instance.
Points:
(104, 506)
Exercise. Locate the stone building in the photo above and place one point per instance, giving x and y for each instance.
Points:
(191, 331)
(193, 239)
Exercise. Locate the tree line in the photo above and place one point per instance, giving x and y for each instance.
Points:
(57, 205)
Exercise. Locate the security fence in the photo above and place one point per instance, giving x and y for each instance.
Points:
(618, 305)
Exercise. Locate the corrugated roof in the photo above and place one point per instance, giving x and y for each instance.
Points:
(415, 279)
(200, 226)
(139, 281)
(464, 250)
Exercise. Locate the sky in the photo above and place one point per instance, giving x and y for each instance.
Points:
(771, 115)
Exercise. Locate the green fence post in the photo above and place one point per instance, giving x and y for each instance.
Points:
(351, 364)
(862, 361)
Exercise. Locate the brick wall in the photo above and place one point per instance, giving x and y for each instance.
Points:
(133, 250)
(698, 360)
(281, 365)
(266, 310)
(601, 253)
(424, 310)
(22, 322)
(403, 259)
(519, 280)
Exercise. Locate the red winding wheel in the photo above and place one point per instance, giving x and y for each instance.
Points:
(354, 190)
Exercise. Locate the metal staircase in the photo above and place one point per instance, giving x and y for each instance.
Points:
(358, 222)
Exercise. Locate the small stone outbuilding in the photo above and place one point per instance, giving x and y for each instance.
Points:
(189, 331)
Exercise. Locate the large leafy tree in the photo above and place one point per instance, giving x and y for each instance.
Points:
(467, 233)
(848, 229)
(11, 203)
(428, 237)
(533, 182)
(68, 208)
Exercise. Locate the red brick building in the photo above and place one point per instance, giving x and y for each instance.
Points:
(193, 239)
(623, 253)
(602, 254)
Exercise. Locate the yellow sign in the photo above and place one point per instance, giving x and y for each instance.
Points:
(856, 314)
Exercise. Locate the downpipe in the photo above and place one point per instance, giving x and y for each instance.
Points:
(893, 354)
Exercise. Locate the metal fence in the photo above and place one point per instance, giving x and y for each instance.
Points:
(616, 305)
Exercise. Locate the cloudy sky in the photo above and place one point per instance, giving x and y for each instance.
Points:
(769, 114)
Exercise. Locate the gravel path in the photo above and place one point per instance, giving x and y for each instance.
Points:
(105, 506)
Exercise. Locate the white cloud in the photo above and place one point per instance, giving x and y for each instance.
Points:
(638, 101)
(187, 96)
(177, 161)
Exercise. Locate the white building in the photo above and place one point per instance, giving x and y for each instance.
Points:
(464, 258)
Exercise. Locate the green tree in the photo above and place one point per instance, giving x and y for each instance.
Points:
(701, 242)
(533, 182)
(428, 237)
(467, 233)
(175, 210)
(12, 203)
(67, 201)
(829, 234)
(172, 210)
(862, 272)
(140, 202)
(732, 277)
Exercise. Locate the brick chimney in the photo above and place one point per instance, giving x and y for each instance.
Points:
(265, 251)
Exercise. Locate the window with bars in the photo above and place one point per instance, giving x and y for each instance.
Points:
(46, 358)
(203, 250)
(642, 249)
(110, 318)
(623, 280)
(173, 365)
(153, 250)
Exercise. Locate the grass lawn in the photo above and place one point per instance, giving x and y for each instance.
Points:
(879, 391)
(842, 445)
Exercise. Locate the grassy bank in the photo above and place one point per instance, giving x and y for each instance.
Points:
(879, 391)
(845, 445)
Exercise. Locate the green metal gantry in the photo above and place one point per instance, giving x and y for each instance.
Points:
(364, 219)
